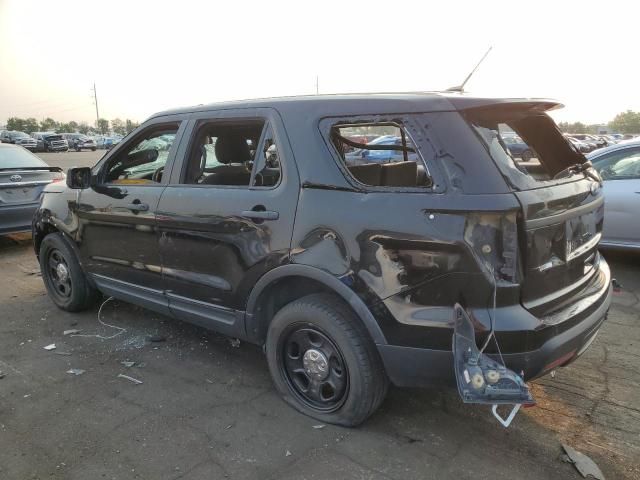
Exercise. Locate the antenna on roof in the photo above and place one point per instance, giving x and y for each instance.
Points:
(460, 88)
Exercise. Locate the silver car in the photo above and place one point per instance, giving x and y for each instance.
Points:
(619, 166)
(23, 176)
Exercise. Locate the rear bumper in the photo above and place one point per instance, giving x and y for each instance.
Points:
(16, 218)
(564, 342)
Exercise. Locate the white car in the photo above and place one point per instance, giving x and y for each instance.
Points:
(619, 167)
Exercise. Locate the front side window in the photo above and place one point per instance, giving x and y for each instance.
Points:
(227, 153)
(379, 154)
(143, 161)
(619, 165)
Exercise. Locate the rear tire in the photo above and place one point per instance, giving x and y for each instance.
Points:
(323, 362)
(527, 155)
(66, 282)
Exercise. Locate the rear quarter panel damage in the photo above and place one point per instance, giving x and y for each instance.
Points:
(416, 266)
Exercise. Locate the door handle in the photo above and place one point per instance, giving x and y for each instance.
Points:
(138, 207)
(260, 214)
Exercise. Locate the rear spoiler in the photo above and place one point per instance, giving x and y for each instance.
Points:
(24, 169)
(531, 105)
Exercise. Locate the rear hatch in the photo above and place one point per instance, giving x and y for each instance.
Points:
(561, 198)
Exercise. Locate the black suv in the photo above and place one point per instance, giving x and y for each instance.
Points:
(250, 218)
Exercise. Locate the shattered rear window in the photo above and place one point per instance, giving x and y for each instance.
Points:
(528, 148)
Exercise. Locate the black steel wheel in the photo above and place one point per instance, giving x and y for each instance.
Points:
(314, 367)
(59, 274)
(323, 361)
(66, 282)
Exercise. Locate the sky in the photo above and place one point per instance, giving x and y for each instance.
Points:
(146, 56)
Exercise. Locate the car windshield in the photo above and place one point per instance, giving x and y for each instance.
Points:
(19, 135)
(18, 157)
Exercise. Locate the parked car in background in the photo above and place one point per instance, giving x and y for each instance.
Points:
(50, 142)
(591, 140)
(581, 146)
(376, 151)
(349, 275)
(107, 142)
(619, 167)
(23, 177)
(518, 148)
(79, 141)
(18, 138)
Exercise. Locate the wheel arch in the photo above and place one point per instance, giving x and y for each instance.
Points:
(40, 230)
(286, 283)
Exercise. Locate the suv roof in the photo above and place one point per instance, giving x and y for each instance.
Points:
(374, 102)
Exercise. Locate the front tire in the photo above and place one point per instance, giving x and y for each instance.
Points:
(323, 362)
(527, 155)
(63, 277)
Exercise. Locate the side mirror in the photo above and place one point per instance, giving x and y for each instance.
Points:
(79, 178)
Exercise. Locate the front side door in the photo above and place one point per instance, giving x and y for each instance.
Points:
(620, 171)
(117, 234)
(227, 214)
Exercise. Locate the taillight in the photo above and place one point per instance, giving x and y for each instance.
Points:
(494, 239)
(58, 177)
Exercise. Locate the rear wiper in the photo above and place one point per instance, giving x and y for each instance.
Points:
(585, 167)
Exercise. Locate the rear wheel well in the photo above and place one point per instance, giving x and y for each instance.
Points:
(278, 294)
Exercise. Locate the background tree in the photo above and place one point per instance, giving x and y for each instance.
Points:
(130, 126)
(102, 125)
(15, 123)
(118, 126)
(31, 125)
(73, 126)
(575, 127)
(626, 122)
(48, 124)
(83, 127)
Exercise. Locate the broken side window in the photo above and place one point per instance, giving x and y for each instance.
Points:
(381, 154)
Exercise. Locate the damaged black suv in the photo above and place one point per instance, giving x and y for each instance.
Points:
(361, 239)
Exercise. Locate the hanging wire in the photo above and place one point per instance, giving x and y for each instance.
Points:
(101, 337)
(492, 316)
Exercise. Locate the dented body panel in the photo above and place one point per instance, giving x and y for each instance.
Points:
(523, 262)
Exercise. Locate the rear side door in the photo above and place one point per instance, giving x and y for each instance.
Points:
(227, 215)
(620, 170)
(117, 235)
